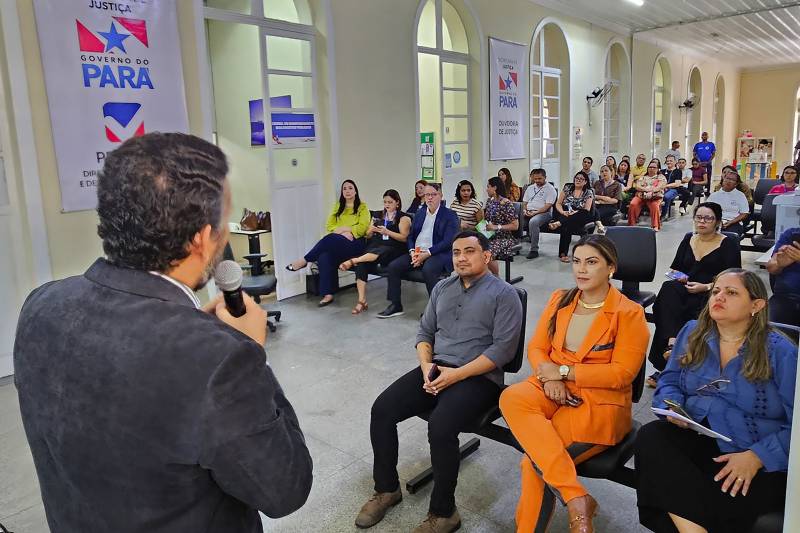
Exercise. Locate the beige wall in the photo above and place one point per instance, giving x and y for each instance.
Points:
(768, 100)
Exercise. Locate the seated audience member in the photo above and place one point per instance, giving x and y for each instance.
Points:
(625, 157)
(574, 209)
(735, 207)
(386, 241)
(649, 192)
(607, 196)
(626, 179)
(467, 206)
(741, 186)
(639, 169)
(587, 169)
(428, 246)
(784, 265)
(538, 199)
(611, 161)
(732, 374)
(419, 198)
(674, 151)
(585, 353)
(501, 218)
(789, 181)
(700, 178)
(513, 192)
(700, 257)
(675, 188)
(623, 173)
(687, 173)
(658, 162)
(469, 348)
(347, 225)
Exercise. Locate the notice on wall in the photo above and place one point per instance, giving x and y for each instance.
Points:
(112, 71)
(427, 157)
(506, 122)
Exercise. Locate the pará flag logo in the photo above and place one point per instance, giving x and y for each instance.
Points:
(122, 121)
(114, 39)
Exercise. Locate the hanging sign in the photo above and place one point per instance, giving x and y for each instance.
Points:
(506, 76)
(112, 71)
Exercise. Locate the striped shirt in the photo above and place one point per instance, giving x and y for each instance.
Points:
(467, 213)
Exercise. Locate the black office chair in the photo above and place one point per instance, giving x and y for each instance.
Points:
(636, 250)
(257, 285)
(484, 425)
(766, 239)
(761, 191)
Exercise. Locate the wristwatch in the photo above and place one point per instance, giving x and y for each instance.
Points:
(563, 370)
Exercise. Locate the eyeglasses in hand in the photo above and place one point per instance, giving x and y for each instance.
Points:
(718, 385)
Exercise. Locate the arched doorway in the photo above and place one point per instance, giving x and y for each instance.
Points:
(550, 119)
(616, 106)
(662, 98)
(695, 94)
(718, 120)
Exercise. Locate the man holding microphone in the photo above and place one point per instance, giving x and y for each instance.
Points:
(144, 411)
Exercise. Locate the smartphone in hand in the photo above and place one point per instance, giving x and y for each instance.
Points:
(677, 275)
(434, 372)
(574, 401)
(678, 408)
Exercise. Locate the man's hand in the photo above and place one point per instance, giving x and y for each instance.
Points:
(418, 259)
(529, 213)
(788, 254)
(557, 391)
(252, 323)
(211, 307)
(425, 368)
(447, 377)
(548, 372)
(739, 471)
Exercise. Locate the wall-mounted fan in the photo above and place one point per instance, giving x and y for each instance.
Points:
(598, 95)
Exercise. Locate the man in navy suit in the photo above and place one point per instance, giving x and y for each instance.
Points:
(429, 248)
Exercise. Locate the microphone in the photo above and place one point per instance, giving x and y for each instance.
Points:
(228, 277)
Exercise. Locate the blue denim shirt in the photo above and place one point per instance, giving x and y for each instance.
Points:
(755, 415)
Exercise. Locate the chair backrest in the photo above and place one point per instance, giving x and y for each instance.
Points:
(769, 214)
(520, 220)
(793, 332)
(637, 387)
(636, 250)
(762, 189)
(513, 366)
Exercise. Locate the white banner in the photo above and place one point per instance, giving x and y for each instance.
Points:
(112, 71)
(506, 80)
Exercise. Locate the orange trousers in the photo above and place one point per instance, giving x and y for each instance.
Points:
(635, 209)
(543, 429)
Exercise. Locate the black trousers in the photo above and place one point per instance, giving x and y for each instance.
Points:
(674, 307)
(571, 225)
(675, 474)
(432, 268)
(454, 410)
(606, 213)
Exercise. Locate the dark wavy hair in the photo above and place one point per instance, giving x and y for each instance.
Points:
(787, 168)
(343, 202)
(394, 195)
(461, 184)
(154, 193)
(715, 208)
(500, 187)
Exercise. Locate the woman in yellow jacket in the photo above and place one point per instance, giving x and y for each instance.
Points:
(585, 353)
(347, 225)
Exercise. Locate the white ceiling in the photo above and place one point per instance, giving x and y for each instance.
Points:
(744, 33)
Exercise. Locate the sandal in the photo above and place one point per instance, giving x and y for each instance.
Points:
(652, 380)
(360, 308)
(347, 265)
(291, 268)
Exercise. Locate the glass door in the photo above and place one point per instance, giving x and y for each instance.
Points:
(455, 123)
(545, 149)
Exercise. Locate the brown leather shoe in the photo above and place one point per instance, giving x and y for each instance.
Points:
(375, 509)
(440, 524)
(581, 512)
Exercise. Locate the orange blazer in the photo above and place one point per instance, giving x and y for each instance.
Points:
(605, 364)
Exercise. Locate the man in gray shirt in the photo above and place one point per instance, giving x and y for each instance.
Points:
(469, 331)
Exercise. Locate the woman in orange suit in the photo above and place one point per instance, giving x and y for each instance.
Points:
(585, 353)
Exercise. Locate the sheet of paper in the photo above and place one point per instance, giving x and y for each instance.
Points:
(692, 424)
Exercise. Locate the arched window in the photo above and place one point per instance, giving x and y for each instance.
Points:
(549, 134)
(695, 94)
(718, 120)
(296, 11)
(443, 97)
(616, 114)
(662, 81)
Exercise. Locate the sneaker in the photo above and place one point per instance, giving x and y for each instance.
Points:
(375, 509)
(439, 524)
(599, 228)
(682, 211)
(533, 254)
(392, 310)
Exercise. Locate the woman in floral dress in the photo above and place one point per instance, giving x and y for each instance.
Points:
(501, 218)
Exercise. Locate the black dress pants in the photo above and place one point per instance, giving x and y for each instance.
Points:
(454, 410)
(432, 269)
(606, 213)
(571, 225)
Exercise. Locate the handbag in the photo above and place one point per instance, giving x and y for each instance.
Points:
(249, 221)
(264, 220)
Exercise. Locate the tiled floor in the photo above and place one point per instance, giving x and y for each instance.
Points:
(332, 366)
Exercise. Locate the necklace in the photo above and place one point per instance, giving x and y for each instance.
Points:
(591, 306)
(732, 340)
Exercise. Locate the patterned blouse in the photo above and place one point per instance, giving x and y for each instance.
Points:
(500, 212)
(574, 203)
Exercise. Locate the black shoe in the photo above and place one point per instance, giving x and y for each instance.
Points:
(532, 254)
(392, 310)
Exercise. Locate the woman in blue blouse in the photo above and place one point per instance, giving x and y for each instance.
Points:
(729, 371)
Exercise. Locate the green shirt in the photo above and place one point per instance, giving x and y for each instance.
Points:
(358, 222)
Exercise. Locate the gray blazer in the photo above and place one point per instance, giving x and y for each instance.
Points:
(146, 414)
